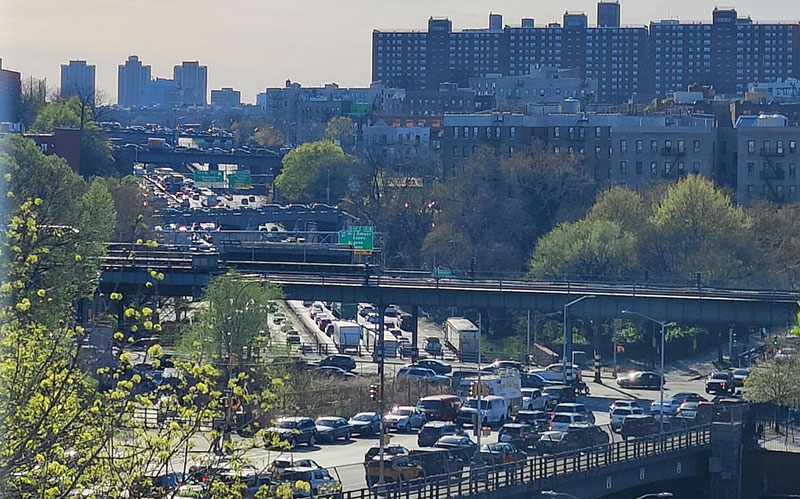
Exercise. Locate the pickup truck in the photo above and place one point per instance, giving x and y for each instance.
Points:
(721, 382)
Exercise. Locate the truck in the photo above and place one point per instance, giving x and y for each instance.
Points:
(462, 336)
(346, 335)
(344, 311)
(505, 383)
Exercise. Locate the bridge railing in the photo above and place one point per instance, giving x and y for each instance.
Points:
(476, 480)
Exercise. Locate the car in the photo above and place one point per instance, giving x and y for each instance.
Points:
(574, 408)
(440, 407)
(366, 423)
(494, 410)
(331, 428)
(324, 322)
(694, 413)
(589, 434)
(334, 372)
(619, 415)
(669, 407)
(433, 345)
(405, 418)
(396, 468)
(390, 311)
(278, 318)
(366, 310)
(521, 435)
(388, 450)
(538, 419)
(555, 373)
(460, 446)
(316, 309)
(292, 337)
(558, 394)
(739, 376)
(639, 379)
(374, 318)
(639, 426)
(346, 362)
(432, 431)
(281, 464)
(721, 382)
(320, 483)
(308, 303)
(561, 422)
(422, 374)
(532, 399)
(532, 380)
(439, 366)
(501, 453)
(619, 404)
(295, 430)
(557, 442)
(687, 397)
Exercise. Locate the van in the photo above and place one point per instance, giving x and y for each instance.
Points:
(494, 411)
(440, 407)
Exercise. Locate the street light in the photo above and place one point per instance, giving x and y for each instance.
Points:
(568, 336)
(660, 494)
(553, 493)
(661, 373)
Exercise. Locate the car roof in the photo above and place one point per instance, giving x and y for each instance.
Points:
(516, 425)
(293, 418)
(440, 397)
(438, 424)
(367, 413)
(329, 418)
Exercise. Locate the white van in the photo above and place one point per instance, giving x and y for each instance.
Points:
(494, 411)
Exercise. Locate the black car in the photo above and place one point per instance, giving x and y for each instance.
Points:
(639, 379)
(331, 428)
(295, 430)
(459, 446)
(538, 419)
(720, 383)
(439, 366)
(559, 394)
(521, 435)
(432, 431)
(366, 423)
(345, 362)
(533, 380)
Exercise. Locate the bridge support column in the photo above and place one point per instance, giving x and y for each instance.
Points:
(725, 463)
(415, 334)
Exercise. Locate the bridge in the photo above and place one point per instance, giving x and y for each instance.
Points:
(186, 274)
(295, 217)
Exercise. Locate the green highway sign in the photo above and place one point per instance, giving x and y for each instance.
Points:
(360, 236)
(239, 178)
(210, 176)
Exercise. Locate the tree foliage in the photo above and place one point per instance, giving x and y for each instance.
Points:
(774, 381)
(250, 130)
(340, 130)
(304, 164)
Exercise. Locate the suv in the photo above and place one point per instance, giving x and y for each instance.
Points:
(639, 426)
(321, 483)
(590, 435)
(521, 435)
(572, 407)
(619, 415)
(562, 421)
(345, 362)
(720, 382)
(434, 430)
(559, 394)
(556, 442)
(440, 407)
(295, 430)
(537, 419)
(532, 399)
(389, 450)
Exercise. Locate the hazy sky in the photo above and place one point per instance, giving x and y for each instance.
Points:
(253, 44)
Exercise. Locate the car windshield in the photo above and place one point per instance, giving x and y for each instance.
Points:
(326, 422)
(473, 403)
(528, 393)
(741, 372)
(562, 418)
(364, 416)
(401, 412)
(429, 404)
(720, 376)
(289, 425)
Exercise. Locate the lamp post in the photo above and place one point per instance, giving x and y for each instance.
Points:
(661, 371)
(568, 337)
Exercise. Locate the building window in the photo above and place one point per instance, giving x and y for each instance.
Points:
(510, 151)
(653, 169)
(750, 191)
(751, 147)
(455, 132)
(751, 168)
(681, 168)
(638, 168)
(497, 132)
(667, 167)
(556, 150)
(571, 132)
(779, 147)
(765, 146)
(696, 148)
(681, 146)
(556, 132)
(465, 151)
(623, 167)
(639, 145)
(581, 133)
(668, 145)
(513, 132)
(792, 194)
(474, 151)
(466, 132)
(598, 132)
(792, 170)
(779, 192)
(623, 146)
(654, 146)
(488, 132)
(792, 146)
(455, 151)
(597, 150)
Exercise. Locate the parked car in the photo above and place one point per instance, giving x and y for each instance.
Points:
(422, 374)
(295, 430)
(538, 419)
(561, 422)
(739, 375)
(521, 435)
(639, 426)
(346, 362)
(501, 453)
(432, 431)
(366, 423)
(575, 408)
(321, 483)
(281, 464)
(619, 404)
(460, 446)
(532, 399)
(396, 468)
(720, 382)
(619, 415)
(438, 366)
(331, 428)
(405, 418)
(639, 379)
(440, 407)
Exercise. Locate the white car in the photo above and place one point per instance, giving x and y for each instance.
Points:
(422, 374)
(619, 414)
(555, 372)
(669, 408)
(561, 421)
(532, 399)
(623, 404)
(405, 418)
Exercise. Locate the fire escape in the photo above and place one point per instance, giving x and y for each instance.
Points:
(674, 169)
(772, 172)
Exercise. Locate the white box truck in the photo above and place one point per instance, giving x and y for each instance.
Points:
(346, 335)
(462, 336)
(506, 383)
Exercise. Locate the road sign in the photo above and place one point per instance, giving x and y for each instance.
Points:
(443, 273)
(210, 176)
(360, 236)
(239, 179)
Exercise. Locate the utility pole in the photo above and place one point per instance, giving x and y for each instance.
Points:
(528, 336)
(479, 420)
(381, 354)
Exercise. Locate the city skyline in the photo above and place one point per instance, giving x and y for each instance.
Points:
(335, 45)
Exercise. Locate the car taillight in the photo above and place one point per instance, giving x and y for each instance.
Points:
(205, 478)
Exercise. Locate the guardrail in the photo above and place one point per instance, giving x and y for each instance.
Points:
(536, 468)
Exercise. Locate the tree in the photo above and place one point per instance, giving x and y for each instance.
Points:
(303, 165)
(774, 381)
(776, 233)
(585, 248)
(134, 211)
(341, 131)
(623, 206)
(250, 130)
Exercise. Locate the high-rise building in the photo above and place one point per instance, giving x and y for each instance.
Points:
(9, 94)
(77, 78)
(192, 79)
(132, 78)
(608, 14)
(729, 53)
(226, 98)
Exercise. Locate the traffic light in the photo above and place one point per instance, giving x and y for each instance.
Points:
(473, 389)
(775, 340)
(734, 338)
(373, 391)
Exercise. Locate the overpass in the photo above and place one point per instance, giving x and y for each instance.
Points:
(186, 274)
(297, 217)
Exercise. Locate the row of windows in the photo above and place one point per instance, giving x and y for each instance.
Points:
(680, 146)
(488, 131)
(778, 192)
(766, 147)
(768, 170)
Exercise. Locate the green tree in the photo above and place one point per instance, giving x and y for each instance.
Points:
(585, 248)
(250, 130)
(134, 211)
(623, 206)
(776, 233)
(774, 381)
(340, 130)
(305, 164)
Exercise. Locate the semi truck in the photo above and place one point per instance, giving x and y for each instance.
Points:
(346, 335)
(462, 336)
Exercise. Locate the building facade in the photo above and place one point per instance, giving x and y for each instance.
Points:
(226, 98)
(767, 158)
(132, 79)
(192, 80)
(10, 93)
(77, 79)
(543, 85)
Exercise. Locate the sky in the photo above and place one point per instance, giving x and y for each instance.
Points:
(254, 44)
